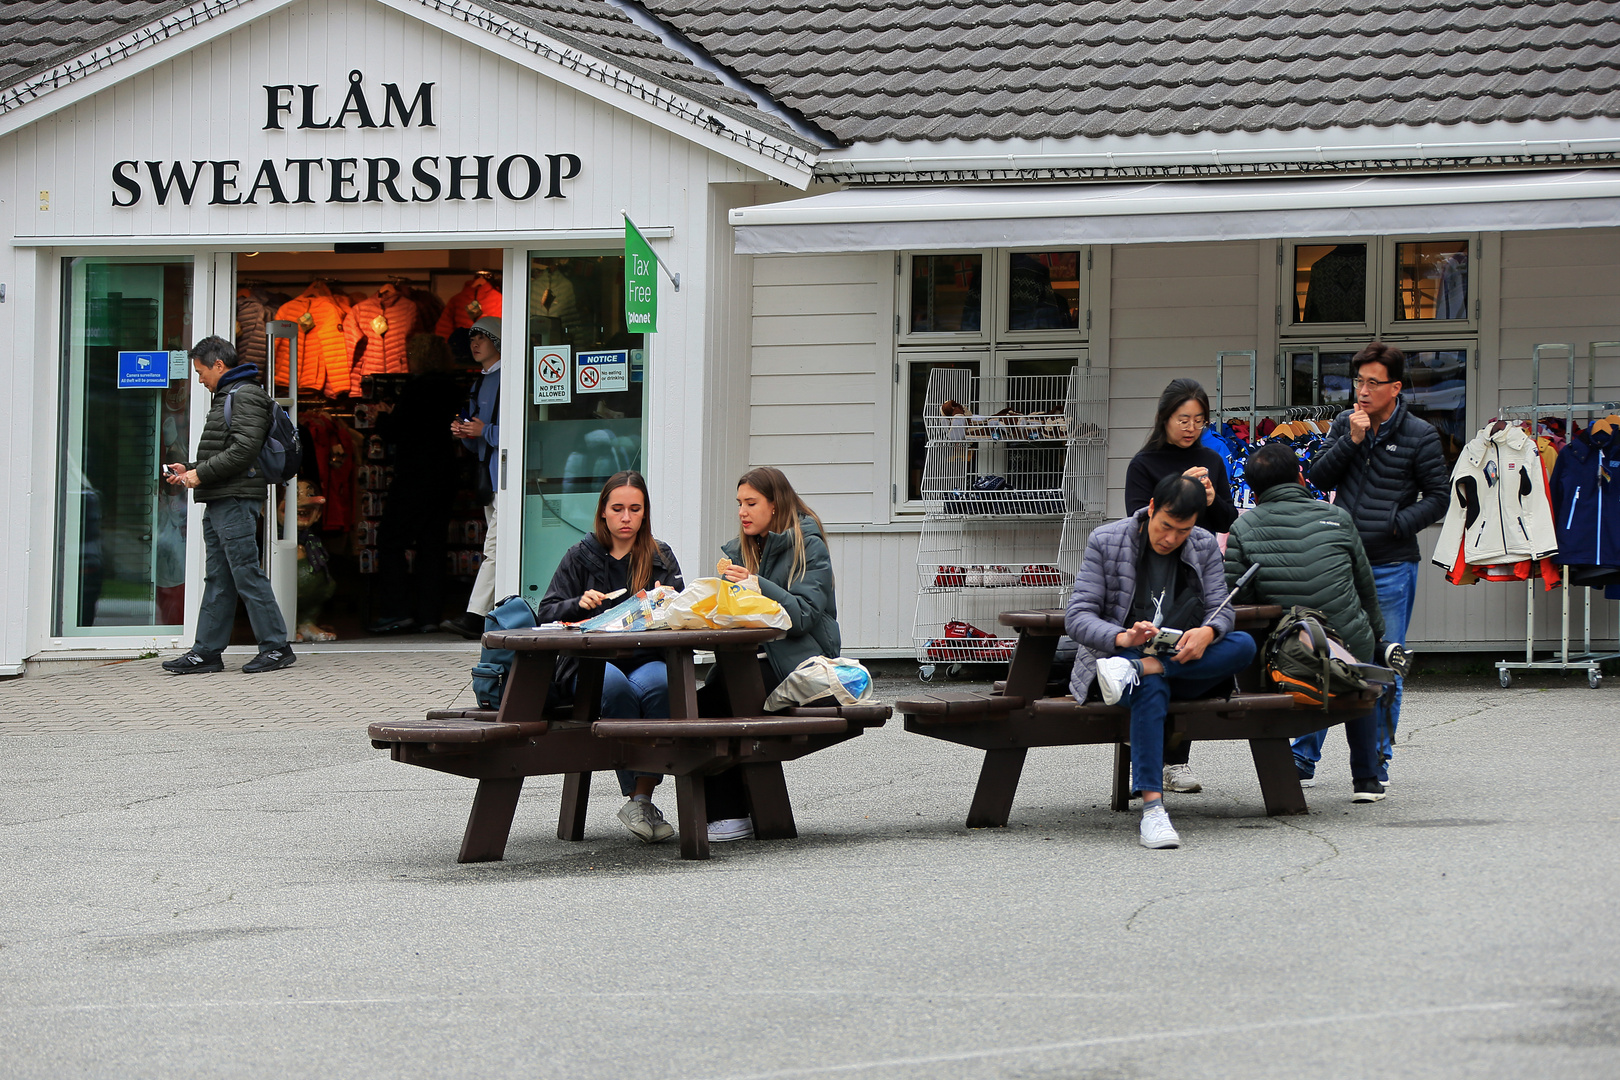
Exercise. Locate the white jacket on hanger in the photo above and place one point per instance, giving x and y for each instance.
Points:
(1499, 509)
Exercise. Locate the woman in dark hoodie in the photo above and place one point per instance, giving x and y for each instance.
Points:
(780, 550)
(621, 554)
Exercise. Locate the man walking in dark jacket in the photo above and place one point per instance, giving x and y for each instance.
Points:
(1388, 470)
(1310, 555)
(225, 478)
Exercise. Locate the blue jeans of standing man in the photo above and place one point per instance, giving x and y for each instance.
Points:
(1397, 592)
(643, 694)
(231, 540)
(1149, 701)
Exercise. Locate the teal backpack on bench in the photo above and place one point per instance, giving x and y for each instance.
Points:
(489, 674)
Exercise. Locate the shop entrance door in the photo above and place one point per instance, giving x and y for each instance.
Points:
(121, 560)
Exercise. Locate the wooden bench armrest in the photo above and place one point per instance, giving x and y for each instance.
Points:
(451, 730)
(730, 727)
(862, 713)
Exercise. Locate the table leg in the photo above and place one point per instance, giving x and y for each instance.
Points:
(744, 684)
(588, 690)
(682, 684)
(1279, 777)
(768, 801)
(1031, 665)
(528, 682)
(576, 793)
(490, 822)
(692, 817)
(1121, 799)
(998, 783)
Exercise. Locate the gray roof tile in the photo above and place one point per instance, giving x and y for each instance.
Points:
(43, 33)
(938, 69)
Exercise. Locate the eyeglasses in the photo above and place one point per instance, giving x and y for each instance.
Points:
(1372, 384)
(1194, 422)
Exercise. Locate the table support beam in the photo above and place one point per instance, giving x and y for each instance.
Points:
(692, 814)
(490, 822)
(575, 796)
(998, 783)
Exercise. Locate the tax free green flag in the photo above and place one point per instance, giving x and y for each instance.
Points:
(640, 282)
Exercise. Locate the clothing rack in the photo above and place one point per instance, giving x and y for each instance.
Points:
(1219, 411)
(1563, 660)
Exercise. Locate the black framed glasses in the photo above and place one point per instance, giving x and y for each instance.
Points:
(1372, 384)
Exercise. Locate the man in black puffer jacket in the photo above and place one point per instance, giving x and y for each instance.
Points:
(225, 478)
(1310, 555)
(1389, 472)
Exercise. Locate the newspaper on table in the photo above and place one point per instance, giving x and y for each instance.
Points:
(646, 610)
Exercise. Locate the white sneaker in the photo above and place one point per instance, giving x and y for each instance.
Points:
(1157, 832)
(1116, 676)
(1181, 778)
(739, 828)
(645, 822)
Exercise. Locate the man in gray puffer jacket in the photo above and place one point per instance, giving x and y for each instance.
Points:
(1310, 555)
(1153, 570)
(225, 478)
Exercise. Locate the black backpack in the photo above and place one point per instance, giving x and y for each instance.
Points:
(282, 451)
(1305, 658)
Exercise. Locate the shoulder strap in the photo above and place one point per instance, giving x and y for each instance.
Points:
(228, 395)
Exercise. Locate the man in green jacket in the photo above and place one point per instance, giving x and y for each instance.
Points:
(1310, 555)
(225, 478)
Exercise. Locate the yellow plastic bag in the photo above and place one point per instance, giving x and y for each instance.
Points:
(716, 603)
(737, 606)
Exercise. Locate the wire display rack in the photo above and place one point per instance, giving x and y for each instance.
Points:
(1013, 466)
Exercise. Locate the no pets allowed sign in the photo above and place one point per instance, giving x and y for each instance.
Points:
(552, 365)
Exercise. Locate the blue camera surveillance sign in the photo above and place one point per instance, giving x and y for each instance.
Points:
(143, 370)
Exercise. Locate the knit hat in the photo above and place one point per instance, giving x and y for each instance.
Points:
(490, 327)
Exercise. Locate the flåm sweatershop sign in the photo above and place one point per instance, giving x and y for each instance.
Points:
(429, 178)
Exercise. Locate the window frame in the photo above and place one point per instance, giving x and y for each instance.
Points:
(1290, 326)
(1388, 325)
(936, 339)
(1004, 334)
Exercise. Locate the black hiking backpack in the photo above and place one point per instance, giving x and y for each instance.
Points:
(1305, 658)
(282, 451)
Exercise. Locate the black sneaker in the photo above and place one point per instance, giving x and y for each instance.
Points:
(193, 663)
(1367, 791)
(395, 624)
(271, 660)
(466, 624)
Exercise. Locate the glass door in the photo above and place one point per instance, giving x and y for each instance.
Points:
(121, 561)
(586, 379)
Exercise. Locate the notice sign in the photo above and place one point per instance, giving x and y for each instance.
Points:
(179, 365)
(552, 385)
(640, 282)
(602, 372)
(143, 370)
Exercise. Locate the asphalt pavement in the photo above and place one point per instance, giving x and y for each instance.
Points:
(218, 876)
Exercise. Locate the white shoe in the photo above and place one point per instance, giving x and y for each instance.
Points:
(740, 828)
(1181, 778)
(645, 822)
(1157, 832)
(1116, 676)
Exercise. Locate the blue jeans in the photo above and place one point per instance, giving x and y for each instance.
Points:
(231, 540)
(1397, 592)
(1149, 701)
(643, 694)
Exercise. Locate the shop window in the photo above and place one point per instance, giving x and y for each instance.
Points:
(121, 565)
(1435, 387)
(1392, 285)
(1330, 283)
(947, 294)
(1431, 280)
(1043, 291)
(586, 426)
(916, 386)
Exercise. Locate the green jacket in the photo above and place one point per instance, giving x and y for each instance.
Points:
(1310, 554)
(809, 601)
(227, 461)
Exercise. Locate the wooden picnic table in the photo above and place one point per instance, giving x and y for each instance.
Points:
(500, 749)
(1029, 711)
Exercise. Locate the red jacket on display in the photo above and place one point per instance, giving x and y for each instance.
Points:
(475, 300)
(384, 322)
(323, 354)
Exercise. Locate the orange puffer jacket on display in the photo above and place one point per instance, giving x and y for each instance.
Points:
(323, 354)
(475, 300)
(384, 321)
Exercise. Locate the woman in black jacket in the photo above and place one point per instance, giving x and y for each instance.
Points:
(621, 554)
(1174, 447)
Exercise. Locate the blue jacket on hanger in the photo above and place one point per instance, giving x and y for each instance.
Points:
(1586, 501)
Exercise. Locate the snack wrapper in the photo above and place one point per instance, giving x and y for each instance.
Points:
(646, 610)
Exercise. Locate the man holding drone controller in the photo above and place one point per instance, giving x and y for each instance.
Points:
(1142, 578)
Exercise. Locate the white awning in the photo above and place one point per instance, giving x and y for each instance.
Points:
(988, 215)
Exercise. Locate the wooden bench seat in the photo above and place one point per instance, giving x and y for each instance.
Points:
(958, 706)
(756, 727)
(861, 714)
(451, 730)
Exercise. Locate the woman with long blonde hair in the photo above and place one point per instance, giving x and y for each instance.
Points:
(780, 549)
